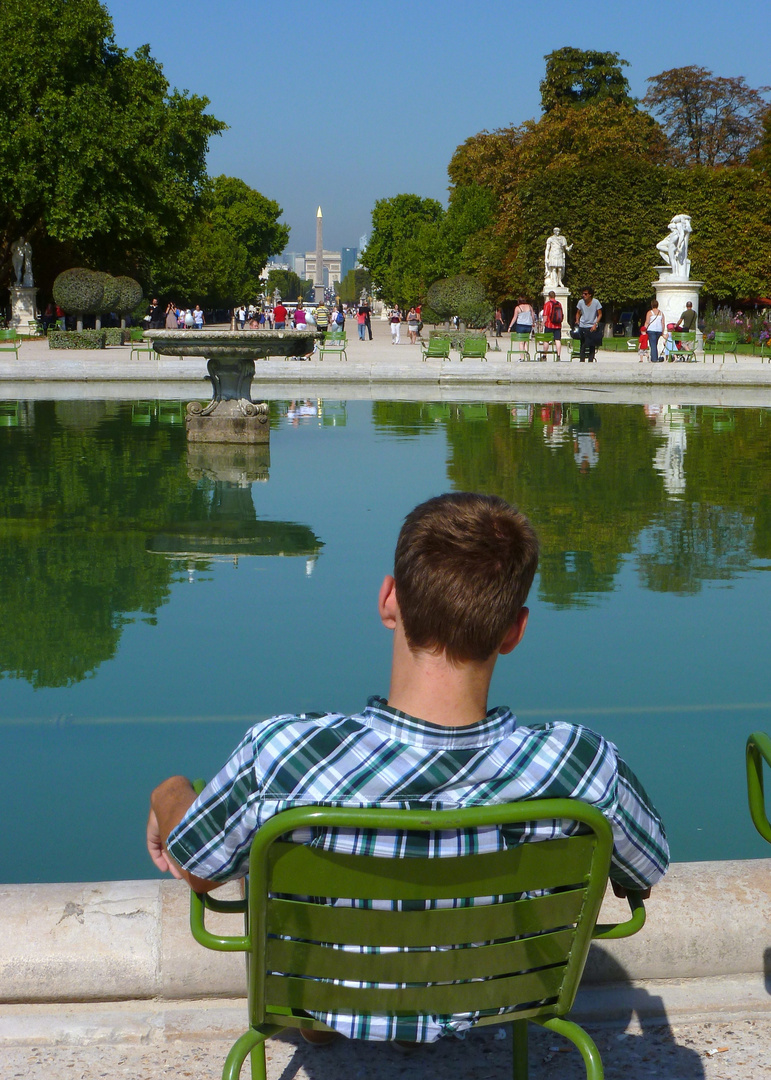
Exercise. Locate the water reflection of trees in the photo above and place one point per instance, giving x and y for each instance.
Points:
(593, 512)
(76, 504)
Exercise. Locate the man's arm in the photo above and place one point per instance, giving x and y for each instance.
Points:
(169, 803)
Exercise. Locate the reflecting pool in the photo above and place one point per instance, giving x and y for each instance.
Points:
(157, 599)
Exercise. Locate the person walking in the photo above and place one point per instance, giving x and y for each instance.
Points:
(198, 319)
(279, 316)
(413, 325)
(588, 315)
(654, 324)
(396, 325)
(361, 323)
(553, 317)
(523, 319)
(321, 316)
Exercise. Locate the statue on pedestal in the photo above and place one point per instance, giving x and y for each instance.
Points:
(21, 257)
(554, 260)
(674, 248)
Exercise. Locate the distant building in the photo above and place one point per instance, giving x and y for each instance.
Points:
(348, 261)
(332, 267)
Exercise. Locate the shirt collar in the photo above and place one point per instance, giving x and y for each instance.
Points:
(380, 716)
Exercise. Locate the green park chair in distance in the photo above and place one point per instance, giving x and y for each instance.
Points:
(473, 348)
(685, 345)
(437, 348)
(519, 346)
(546, 346)
(724, 341)
(334, 342)
(529, 950)
(758, 751)
(9, 342)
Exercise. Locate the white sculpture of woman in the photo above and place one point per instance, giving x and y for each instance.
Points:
(21, 257)
(674, 247)
(28, 279)
(554, 260)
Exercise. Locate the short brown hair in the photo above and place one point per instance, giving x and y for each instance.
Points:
(463, 568)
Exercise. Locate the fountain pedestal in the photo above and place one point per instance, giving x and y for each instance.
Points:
(231, 416)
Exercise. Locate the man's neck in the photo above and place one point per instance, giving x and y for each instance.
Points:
(427, 686)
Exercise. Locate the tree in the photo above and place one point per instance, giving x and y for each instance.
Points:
(395, 255)
(352, 285)
(710, 120)
(230, 243)
(578, 77)
(95, 152)
(463, 296)
(289, 284)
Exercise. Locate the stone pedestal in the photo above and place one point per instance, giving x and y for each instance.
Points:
(562, 294)
(23, 307)
(673, 295)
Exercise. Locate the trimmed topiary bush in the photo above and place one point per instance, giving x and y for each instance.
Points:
(130, 296)
(76, 339)
(115, 335)
(79, 291)
(463, 296)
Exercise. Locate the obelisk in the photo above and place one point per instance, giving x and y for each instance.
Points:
(318, 283)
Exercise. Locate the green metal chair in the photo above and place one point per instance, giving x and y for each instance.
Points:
(529, 949)
(685, 344)
(575, 348)
(473, 348)
(758, 751)
(545, 345)
(437, 348)
(9, 342)
(725, 341)
(519, 345)
(334, 342)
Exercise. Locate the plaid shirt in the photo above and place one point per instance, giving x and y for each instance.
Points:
(381, 757)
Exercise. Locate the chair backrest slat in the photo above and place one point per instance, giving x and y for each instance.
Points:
(411, 929)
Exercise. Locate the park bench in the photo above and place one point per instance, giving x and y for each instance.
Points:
(436, 348)
(723, 342)
(334, 342)
(9, 342)
(473, 348)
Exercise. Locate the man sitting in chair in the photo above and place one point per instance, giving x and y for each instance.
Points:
(463, 567)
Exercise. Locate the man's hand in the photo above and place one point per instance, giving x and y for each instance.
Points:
(157, 850)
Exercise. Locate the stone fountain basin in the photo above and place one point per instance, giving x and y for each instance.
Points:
(232, 344)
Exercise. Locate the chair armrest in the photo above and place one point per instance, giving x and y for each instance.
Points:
(758, 751)
(199, 902)
(609, 931)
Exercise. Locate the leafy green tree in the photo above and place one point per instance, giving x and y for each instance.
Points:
(710, 119)
(396, 252)
(96, 153)
(352, 284)
(463, 296)
(582, 76)
(289, 284)
(236, 232)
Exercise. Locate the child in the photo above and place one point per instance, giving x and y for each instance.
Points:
(642, 347)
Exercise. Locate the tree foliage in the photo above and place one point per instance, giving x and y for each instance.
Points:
(578, 77)
(96, 152)
(289, 284)
(236, 231)
(461, 295)
(395, 253)
(709, 119)
(352, 285)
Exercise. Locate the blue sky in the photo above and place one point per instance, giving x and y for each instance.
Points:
(341, 103)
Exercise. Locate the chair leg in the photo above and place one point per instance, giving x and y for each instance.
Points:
(579, 1038)
(519, 1038)
(251, 1042)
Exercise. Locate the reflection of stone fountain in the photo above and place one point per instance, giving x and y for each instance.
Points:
(231, 416)
(229, 526)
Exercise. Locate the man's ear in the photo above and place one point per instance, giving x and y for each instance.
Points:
(387, 605)
(515, 632)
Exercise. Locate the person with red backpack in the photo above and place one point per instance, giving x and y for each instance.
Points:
(553, 318)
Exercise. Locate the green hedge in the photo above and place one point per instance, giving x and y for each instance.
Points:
(77, 339)
(114, 335)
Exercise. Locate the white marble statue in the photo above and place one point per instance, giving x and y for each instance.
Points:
(554, 260)
(21, 257)
(674, 248)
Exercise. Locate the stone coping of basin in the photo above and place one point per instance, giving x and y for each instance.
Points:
(231, 344)
(130, 940)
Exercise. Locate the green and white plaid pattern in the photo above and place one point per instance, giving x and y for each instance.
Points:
(381, 757)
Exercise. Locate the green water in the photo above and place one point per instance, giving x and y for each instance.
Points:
(157, 600)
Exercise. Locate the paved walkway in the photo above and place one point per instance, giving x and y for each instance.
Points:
(374, 367)
(87, 1043)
